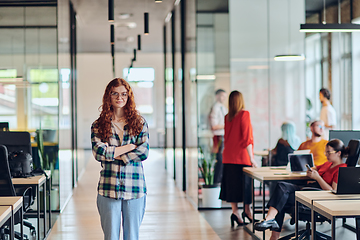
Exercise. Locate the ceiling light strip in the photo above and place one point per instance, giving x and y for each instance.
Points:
(289, 57)
(330, 27)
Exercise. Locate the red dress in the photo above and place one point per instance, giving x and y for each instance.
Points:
(238, 135)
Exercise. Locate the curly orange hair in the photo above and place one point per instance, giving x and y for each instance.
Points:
(133, 119)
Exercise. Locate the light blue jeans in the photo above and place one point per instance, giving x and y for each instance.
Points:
(111, 210)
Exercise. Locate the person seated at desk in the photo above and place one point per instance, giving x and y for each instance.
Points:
(316, 144)
(283, 199)
(288, 142)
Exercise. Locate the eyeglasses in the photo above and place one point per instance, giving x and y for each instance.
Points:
(123, 95)
(329, 152)
(320, 126)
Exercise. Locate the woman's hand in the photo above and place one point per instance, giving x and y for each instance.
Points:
(313, 174)
(253, 163)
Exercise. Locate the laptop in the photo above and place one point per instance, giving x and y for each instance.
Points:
(301, 151)
(348, 181)
(298, 161)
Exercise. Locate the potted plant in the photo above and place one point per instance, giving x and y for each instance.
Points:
(210, 191)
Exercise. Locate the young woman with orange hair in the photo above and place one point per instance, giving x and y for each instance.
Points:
(120, 142)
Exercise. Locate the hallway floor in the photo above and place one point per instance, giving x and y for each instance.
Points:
(169, 215)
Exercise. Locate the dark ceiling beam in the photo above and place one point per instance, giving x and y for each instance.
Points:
(18, 3)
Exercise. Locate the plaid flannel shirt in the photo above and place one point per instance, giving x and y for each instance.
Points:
(121, 179)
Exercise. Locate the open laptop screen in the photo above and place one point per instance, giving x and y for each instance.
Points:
(298, 161)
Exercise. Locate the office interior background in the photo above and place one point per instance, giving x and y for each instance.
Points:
(55, 61)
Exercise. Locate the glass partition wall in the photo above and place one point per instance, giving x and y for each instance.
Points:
(235, 51)
(36, 85)
(213, 73)
(29, 80)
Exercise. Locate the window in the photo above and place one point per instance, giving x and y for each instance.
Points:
(142, 81)
(8, 97)
(44, 98)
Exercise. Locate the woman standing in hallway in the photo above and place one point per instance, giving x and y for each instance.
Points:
(238, 153)
(120, 143)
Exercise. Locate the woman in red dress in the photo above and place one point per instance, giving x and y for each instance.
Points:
(238, 153)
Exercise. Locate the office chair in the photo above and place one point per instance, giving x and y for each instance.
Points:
(305, 213)
(7, 189)
(4, 126)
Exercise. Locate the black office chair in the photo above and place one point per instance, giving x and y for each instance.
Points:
(4, 126)
(7, 189)
(305, 212)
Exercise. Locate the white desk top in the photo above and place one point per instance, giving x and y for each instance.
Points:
(339, 208)
(36, 180)
(309, 196)
(15, 202)
(5, 212)
(273, 173)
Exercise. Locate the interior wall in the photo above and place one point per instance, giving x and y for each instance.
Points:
(95, 72)
(356, 77)
(273, 91)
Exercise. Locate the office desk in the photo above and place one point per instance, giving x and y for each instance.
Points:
(261, 153)
(307, 198)
(37, 182)
(332, 209)
(264, 175)
(16, 204)
(6, 215)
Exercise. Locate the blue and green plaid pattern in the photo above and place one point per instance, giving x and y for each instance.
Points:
(121, 179)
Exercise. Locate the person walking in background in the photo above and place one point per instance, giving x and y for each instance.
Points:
(120, 142)
(238, 153)
(217, 116)
(316, 144)
(327, 113)
(288, 142)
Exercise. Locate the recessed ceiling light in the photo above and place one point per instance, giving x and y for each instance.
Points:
(126, 24)
(130, 39)
(131, 25)
(124, 15)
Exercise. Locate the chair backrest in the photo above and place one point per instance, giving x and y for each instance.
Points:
(16, 141)
(354, 152)
(4, 126)
(6, 185)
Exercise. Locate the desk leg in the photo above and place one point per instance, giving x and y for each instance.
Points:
(333, 228)
(38, 210)
(22, 222)
(357, 221)
(313, 223)
(253, 203)
(11, 226)
(263, 204)
(49, 192)
(44, 200)
(296, 219)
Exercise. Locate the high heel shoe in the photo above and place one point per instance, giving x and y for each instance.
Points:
(244, 215)
(234, 218)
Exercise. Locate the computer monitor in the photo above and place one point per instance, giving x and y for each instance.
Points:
(16, 141)
(344, 136)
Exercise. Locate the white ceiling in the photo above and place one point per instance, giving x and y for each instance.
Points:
(93, 28)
